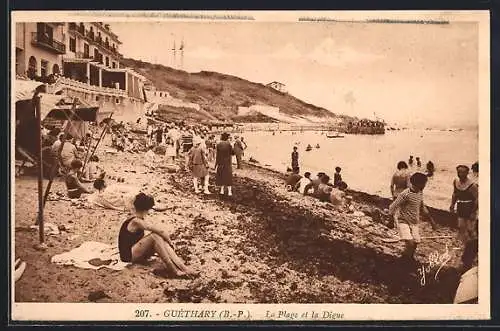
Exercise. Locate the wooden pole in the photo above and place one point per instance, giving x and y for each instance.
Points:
(36, 101)
(103, 133)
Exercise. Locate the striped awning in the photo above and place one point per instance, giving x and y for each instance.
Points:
(25, 89)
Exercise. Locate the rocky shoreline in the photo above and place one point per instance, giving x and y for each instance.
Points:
(263, 245)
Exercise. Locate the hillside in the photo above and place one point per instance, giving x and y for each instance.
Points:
(220, 95)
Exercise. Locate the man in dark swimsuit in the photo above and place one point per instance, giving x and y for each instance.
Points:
(135, 247)
(337, 177)
(295, 160)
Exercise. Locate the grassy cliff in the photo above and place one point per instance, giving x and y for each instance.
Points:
(220, 95)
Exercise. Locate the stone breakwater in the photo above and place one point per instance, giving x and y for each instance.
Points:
(263, 245)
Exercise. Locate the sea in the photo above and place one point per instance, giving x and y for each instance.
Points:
(369, 161)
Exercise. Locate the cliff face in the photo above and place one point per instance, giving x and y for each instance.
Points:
(221, 95)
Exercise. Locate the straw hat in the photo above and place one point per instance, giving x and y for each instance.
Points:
(196, 140)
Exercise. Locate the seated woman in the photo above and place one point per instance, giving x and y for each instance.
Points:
(136, 247)
(92, 170)
(75, 188)
(314, 184)
(324, 189)
(337, 194)
(303, 183)
(292, 180)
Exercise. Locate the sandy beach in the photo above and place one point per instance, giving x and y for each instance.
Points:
(263, 245)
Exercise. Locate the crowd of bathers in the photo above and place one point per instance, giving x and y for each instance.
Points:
(407, 186)
(79, 165)
(319, 187)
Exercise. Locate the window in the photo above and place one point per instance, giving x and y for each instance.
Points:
(96, 98)
(117, 101)
(55, 69)
(32, 67)
(43, 66)
(114, 64)
(107, 61)
(72, 45)
(96, 54)
(18, 55)
(86, 51)
(45, 32)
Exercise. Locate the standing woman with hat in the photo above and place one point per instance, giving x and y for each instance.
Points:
(223, 164)
(198, 165)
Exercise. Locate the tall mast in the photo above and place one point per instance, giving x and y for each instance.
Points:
(181, 48)
(174, 59)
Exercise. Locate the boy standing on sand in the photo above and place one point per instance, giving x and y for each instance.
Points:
(295, 160)
(409, 203)
(337, 177)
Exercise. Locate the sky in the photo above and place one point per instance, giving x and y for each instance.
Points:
(409, 74)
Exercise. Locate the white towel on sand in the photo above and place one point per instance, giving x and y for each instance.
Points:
(91, 255)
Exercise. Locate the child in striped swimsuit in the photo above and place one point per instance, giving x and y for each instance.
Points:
(410, 202)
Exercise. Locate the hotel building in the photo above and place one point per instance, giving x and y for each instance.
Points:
(80, 58)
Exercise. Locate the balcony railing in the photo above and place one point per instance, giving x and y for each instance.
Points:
(80, 55)
(84, 87)
(41, 40)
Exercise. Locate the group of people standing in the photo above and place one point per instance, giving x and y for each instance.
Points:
(406, 189)
(199, 159)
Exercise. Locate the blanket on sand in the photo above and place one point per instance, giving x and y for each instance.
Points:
(91, 255)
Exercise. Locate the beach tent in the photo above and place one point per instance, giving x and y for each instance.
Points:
(30, 112)
(74, 113)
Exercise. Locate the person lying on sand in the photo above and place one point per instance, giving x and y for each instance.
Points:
(108, 199)
(73, 184)
(117, 197)
(136, 247)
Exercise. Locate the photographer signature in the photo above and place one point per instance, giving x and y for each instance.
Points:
(434, 260)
